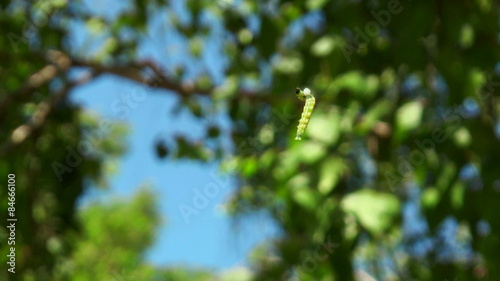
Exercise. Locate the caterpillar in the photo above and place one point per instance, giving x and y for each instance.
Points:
(307, 96)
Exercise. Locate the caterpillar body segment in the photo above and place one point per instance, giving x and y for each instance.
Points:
(304, 95)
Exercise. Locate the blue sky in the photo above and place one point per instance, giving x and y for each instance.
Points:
(210, 238)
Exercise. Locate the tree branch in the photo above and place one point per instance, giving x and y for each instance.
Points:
(134, 71)
(58, 62)
(37, 120)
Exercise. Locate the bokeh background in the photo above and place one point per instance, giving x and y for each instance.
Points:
(154, 140)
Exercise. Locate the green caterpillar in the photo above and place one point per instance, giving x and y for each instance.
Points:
(307, 96)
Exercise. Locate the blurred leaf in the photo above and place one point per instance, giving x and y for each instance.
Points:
(430, 198)
(374, 115)
(289, 64)
(458, 195)
(462, 137)
(315, 4)
(331, 171)
(245, 36)
(161, 149)
(325, 127)
(236, 274)
(467, 36)
(227, 89)
(305, 197)
(362, 86)
(310, 152)
(324, 46)
(213, 132)
(408, 117)
(375, 211)
(249, 167)
(96, 25)
(196, 45)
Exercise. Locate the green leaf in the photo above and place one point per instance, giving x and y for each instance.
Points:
(227, 89)
(325, 127)
(289, 64)
(462, 137)
(430, 197)
(236, 273)
(446, 176)
(331, 171)
(305, 198)
(408, 117)
(323, 46)
(96, 25)
(467, 36)
(245, 36)
(310, 152)
(196, 45)
(315, 4)
(249, 166)
(301, 193)
(374, 115)
(457, 195)
(375, 211)
(363, 86)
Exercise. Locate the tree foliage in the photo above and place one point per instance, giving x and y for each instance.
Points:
(397, 175)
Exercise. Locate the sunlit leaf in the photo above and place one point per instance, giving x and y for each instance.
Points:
(330, 173)
(325, 127)
(408, 117)
(375, 211)
(324, 46)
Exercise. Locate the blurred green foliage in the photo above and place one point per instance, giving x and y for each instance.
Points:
(399, 167)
